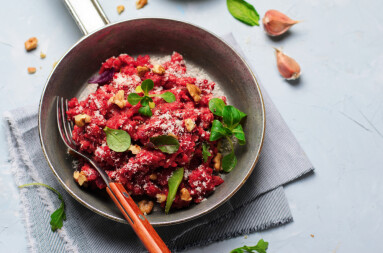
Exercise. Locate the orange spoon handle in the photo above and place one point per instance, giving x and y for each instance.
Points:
(149, 237)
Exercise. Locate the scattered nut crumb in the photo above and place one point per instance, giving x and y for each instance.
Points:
(312, 235)
(185, 195)
(31, 70)
(31, 44)
(160, 197)
(158, 69)
(81, 119)
(120, 9)
(195, 92)
(141, 70)
(80, 178)
(153, 177)
(55, 63)
(190, 124)
(141, 3)
(135, 149)
(245, 236)
(217, 162)
(118, 99)
(146, 206)
(42, 55)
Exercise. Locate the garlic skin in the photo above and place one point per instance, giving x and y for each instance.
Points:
(287, 66)
(276, 23)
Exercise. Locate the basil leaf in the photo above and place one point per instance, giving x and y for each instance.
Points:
(117, 140)
(229, 161)
(168, 97)
(145, 110)
(241, 115)
(205, 152)
(134, 98)
(218, 131)
(166, 143)
(239, 134)
(261, 247)
(231, 116)
(146, 86)
(58, 216)
(146, 100)
(216, 106)
(173, 184)
(243, 11)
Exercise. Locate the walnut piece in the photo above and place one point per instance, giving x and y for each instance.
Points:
(217, 162)
(190, 124)
(185, 195)
(31, 44)
(120, 9)
(118, 99)
(42, 55)
(81, 119)
(146, 206)
(160, 197)
(135, 149)
(142, 70)
(80, 178)
(31, 70)
(141, 3)
(153, 177)
(158, 69)
(195, 92)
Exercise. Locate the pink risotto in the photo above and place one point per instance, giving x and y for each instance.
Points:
(143, 169)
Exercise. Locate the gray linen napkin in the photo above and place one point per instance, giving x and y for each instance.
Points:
(258, 205)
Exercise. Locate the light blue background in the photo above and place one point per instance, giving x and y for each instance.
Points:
(335, 111)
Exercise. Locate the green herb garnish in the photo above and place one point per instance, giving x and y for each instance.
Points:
(243, 11)
(117, 140)
(230, 125)
(166, 143)
(261, 247)
(58, 216)
(205, 152)
(146, 101)
(173, 184)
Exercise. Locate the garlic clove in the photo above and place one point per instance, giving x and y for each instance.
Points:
(287, 66)
(276, 23)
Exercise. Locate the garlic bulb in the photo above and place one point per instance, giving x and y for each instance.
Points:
(287, 66)
(276, 23)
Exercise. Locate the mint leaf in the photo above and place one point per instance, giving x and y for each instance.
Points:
(218, 131)
(243, 11)
(205, 152)
(229, 161)
(261, 247)
(216, 106)
(117, 140)
(166, 143)
(145, 110)
(58, 216)
(231, 116)
(173, 184)
(146, 86)
(134, 98)
(239, 134)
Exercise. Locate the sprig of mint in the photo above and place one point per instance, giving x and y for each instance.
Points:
(173, 184)
(243, 11)
(205, 152)
(261, 247)
(117, 140)
(58, 216)
(230, 125)
(146, 101)
(165, 143)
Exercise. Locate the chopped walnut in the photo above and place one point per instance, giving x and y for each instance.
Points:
(120, 9)
(190, 124)
(31, 44)
(42, 55)
(146, 206)
(217, 162)
(118, 99)
(195, 92)
(135, 149)
(160, 197)
(153, 177)
(185, 195)
(31, 70)
(141, 3)
(173, 135)
(80, 178)
(158, 69)
(141, 70)
(81, 119)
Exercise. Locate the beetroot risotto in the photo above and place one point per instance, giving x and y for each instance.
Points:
(157, 130)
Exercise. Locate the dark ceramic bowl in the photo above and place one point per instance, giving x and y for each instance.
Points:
(154, 37)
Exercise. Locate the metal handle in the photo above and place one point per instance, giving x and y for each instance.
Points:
(88, 14)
